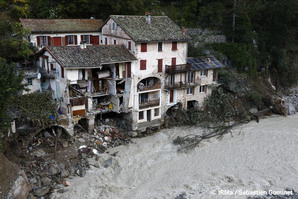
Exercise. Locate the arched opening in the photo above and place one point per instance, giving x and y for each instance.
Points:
(149, 83)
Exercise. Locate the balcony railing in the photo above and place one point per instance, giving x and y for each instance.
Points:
(148, 87)
(178, 68)
(180, 85)
(149, 103)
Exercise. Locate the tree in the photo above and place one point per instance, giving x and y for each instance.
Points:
(11, 84)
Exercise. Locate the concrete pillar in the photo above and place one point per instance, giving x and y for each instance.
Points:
(91, 122)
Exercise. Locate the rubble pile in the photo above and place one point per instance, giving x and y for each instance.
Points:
(51, 157)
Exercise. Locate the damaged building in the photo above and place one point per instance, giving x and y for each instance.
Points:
(139, 72)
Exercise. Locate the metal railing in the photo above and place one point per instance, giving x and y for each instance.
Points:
(149, 103)
(178, 68)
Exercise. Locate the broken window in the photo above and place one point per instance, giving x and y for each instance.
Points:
(156, 112)
(143, 47)
(141, 115)
(159, 46)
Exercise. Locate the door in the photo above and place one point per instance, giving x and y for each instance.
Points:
(57, 41)
(128, 70)
(171, 96)
(148, 115)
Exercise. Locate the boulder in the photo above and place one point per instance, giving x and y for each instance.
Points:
(41, 191)
(20, 188)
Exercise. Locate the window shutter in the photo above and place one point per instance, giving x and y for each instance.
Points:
(174, 45)
(66, 40)
(143, 47)
(128, 70)
(49, 41)
(174, 61)
(38, 40)
(143, 65)
(159, 65)
(94, 40)
(76, 39)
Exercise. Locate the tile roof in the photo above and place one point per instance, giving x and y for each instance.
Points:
(92, 56)
(62, 25)
(201, 63)
(161, 28)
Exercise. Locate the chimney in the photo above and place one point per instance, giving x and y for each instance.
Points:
(148, 17)
(183, 30)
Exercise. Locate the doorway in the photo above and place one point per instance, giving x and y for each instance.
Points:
(149, 115)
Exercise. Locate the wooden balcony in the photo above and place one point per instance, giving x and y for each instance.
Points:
(149, 103)
(180, 85)
(178, 68)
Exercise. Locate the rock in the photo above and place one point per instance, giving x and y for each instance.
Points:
(61, 166)
(81, 172)
(33, 181)
(64, 173)
(291, 109)
(46, 181)
(81, 140)
(66, 183)
(20, 188)
(108, 163)
(84, 155)
(96, 164)
(31, 196)
(41, 191)
(54, 169)
(39, 153)
(132, 133)
(65, 144)
(62, 190)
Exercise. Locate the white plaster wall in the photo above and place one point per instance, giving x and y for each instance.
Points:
(72, 74)
(32, 88)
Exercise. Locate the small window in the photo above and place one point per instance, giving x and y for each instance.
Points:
(52, 66)
(190, 91)
(143, 47)
(141, 115)
(30, 81)
(62, 72)
(109, 26)
(174, 61)
(203, 73)
(143, 65)
(113, 26)
(106, 41)
(203, 89)
(115, 42)
(174, 45)
(156, 112)
(129, 45)
(159, 46)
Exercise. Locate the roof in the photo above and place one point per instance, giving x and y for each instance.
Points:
(62, 25)
(161, 28)
(91, 57)
(203, 63)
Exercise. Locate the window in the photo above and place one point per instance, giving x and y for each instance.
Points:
(116, 27)
(143, 65)
(190, 77)
(203, 73)
(141, 115)
(190, 91)
(115, 42)
(159, 46)
(143, 47)
(42, 41)
(106, 41)
(156, 112)
(174, 45)
(172, 79)
(174, 61)
(113, 26)
(129, 45)
(203, 89)
(71, 39)
(109, 26)
(159, 70)
(30, 81)
(144, 97)
(52, 66)
(86, 38)
(62, 72)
